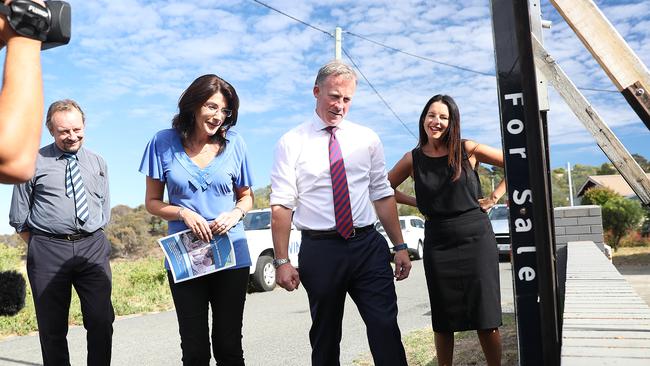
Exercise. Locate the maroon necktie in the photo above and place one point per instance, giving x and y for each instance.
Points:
(342, 209)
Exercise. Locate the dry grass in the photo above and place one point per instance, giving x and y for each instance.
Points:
(632, 256)
(420, 350)
(139, 286)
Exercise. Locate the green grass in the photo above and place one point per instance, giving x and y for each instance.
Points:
(139, 286)
(420, 349)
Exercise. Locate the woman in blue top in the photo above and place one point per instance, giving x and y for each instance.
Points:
(204, 167)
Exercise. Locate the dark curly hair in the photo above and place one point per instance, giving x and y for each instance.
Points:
(193, 98)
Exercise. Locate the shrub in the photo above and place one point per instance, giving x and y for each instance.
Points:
(598, 196)
(645, 227)
(133, 232)
(620, 215)
(14, 241)
(635, 239)
(9, 257)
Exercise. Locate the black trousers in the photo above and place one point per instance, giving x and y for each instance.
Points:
(330, 268)
(225, 293)
(53, 267)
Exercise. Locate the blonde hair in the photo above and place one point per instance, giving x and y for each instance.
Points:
(62, 105)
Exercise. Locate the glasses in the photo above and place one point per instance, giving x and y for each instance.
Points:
(214, 110)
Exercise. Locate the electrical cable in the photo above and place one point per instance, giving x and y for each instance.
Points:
(377, 92)
(294, 18)
(402, 51)
(417, 56)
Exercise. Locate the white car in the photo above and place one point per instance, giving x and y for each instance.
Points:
(413, 233)
(498, 216)
(257, 225)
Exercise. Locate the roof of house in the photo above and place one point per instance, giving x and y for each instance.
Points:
(615, 182)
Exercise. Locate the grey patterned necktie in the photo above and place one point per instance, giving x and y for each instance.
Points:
(74, 187)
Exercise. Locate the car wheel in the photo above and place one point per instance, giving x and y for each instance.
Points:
(419, 252)
(264, 276)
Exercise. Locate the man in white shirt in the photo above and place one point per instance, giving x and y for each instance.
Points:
(341, 252)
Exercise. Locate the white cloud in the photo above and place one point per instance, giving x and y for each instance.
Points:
(129, 60)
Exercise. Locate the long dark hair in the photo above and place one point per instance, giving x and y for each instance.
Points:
(193, 98)
(451, 138)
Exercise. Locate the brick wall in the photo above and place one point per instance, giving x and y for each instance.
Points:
(579, 223)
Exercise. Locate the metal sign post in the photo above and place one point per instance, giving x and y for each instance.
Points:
(523, 132)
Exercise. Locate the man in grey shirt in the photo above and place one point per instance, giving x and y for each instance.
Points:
(60, 213)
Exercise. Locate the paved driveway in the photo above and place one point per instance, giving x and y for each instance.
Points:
(639, 277)
(276, 328)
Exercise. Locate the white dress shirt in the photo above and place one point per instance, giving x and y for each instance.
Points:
(300, 176)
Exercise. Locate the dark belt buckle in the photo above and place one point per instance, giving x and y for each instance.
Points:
(76, 236)
(72, 237)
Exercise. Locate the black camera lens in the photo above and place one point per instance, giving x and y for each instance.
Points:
(49, 24)
(60, 21)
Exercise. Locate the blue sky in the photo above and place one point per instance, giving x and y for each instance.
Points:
(129, 60)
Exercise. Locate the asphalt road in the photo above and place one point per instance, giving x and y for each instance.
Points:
(276, 328)
(639, 277)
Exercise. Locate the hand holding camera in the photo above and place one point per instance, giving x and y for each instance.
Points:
(48, 22)
(26, 27)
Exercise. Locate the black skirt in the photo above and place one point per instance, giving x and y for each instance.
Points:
(461, 264)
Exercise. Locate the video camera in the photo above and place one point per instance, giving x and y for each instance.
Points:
(50, 23)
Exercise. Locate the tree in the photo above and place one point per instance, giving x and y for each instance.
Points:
(262, 197)
(620, 215)
(14, 240)
(645, 226)
(489, 178)
(133, 232)
(598, 196)
(560, 187)
(606, 169)
(643, 162)
(407, 187)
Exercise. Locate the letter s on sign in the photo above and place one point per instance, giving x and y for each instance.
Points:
(520, 199)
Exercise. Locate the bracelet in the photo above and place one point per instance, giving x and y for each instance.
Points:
(180, 217)
(243, 213)
(399, 247)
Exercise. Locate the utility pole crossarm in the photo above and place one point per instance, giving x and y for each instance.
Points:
(616, 58)
(605, 138)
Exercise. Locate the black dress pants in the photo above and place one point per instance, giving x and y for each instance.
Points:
(53, 267)
(225, 293)
(329, 269)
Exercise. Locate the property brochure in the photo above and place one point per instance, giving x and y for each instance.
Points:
(190, 257)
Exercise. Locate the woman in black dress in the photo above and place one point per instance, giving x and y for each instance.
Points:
(461, 261)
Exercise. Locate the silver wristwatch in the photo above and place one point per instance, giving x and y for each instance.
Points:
(280, 261)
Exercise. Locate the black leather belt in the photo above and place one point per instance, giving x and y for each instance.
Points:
(68, 237)
(333, 234)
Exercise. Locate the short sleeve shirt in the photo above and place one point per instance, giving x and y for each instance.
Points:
(208, 191)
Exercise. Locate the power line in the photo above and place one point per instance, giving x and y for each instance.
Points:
(418, 56)
(402, 51)
(377, 92)
(294, 18)
(373, 41)
(349, 57)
